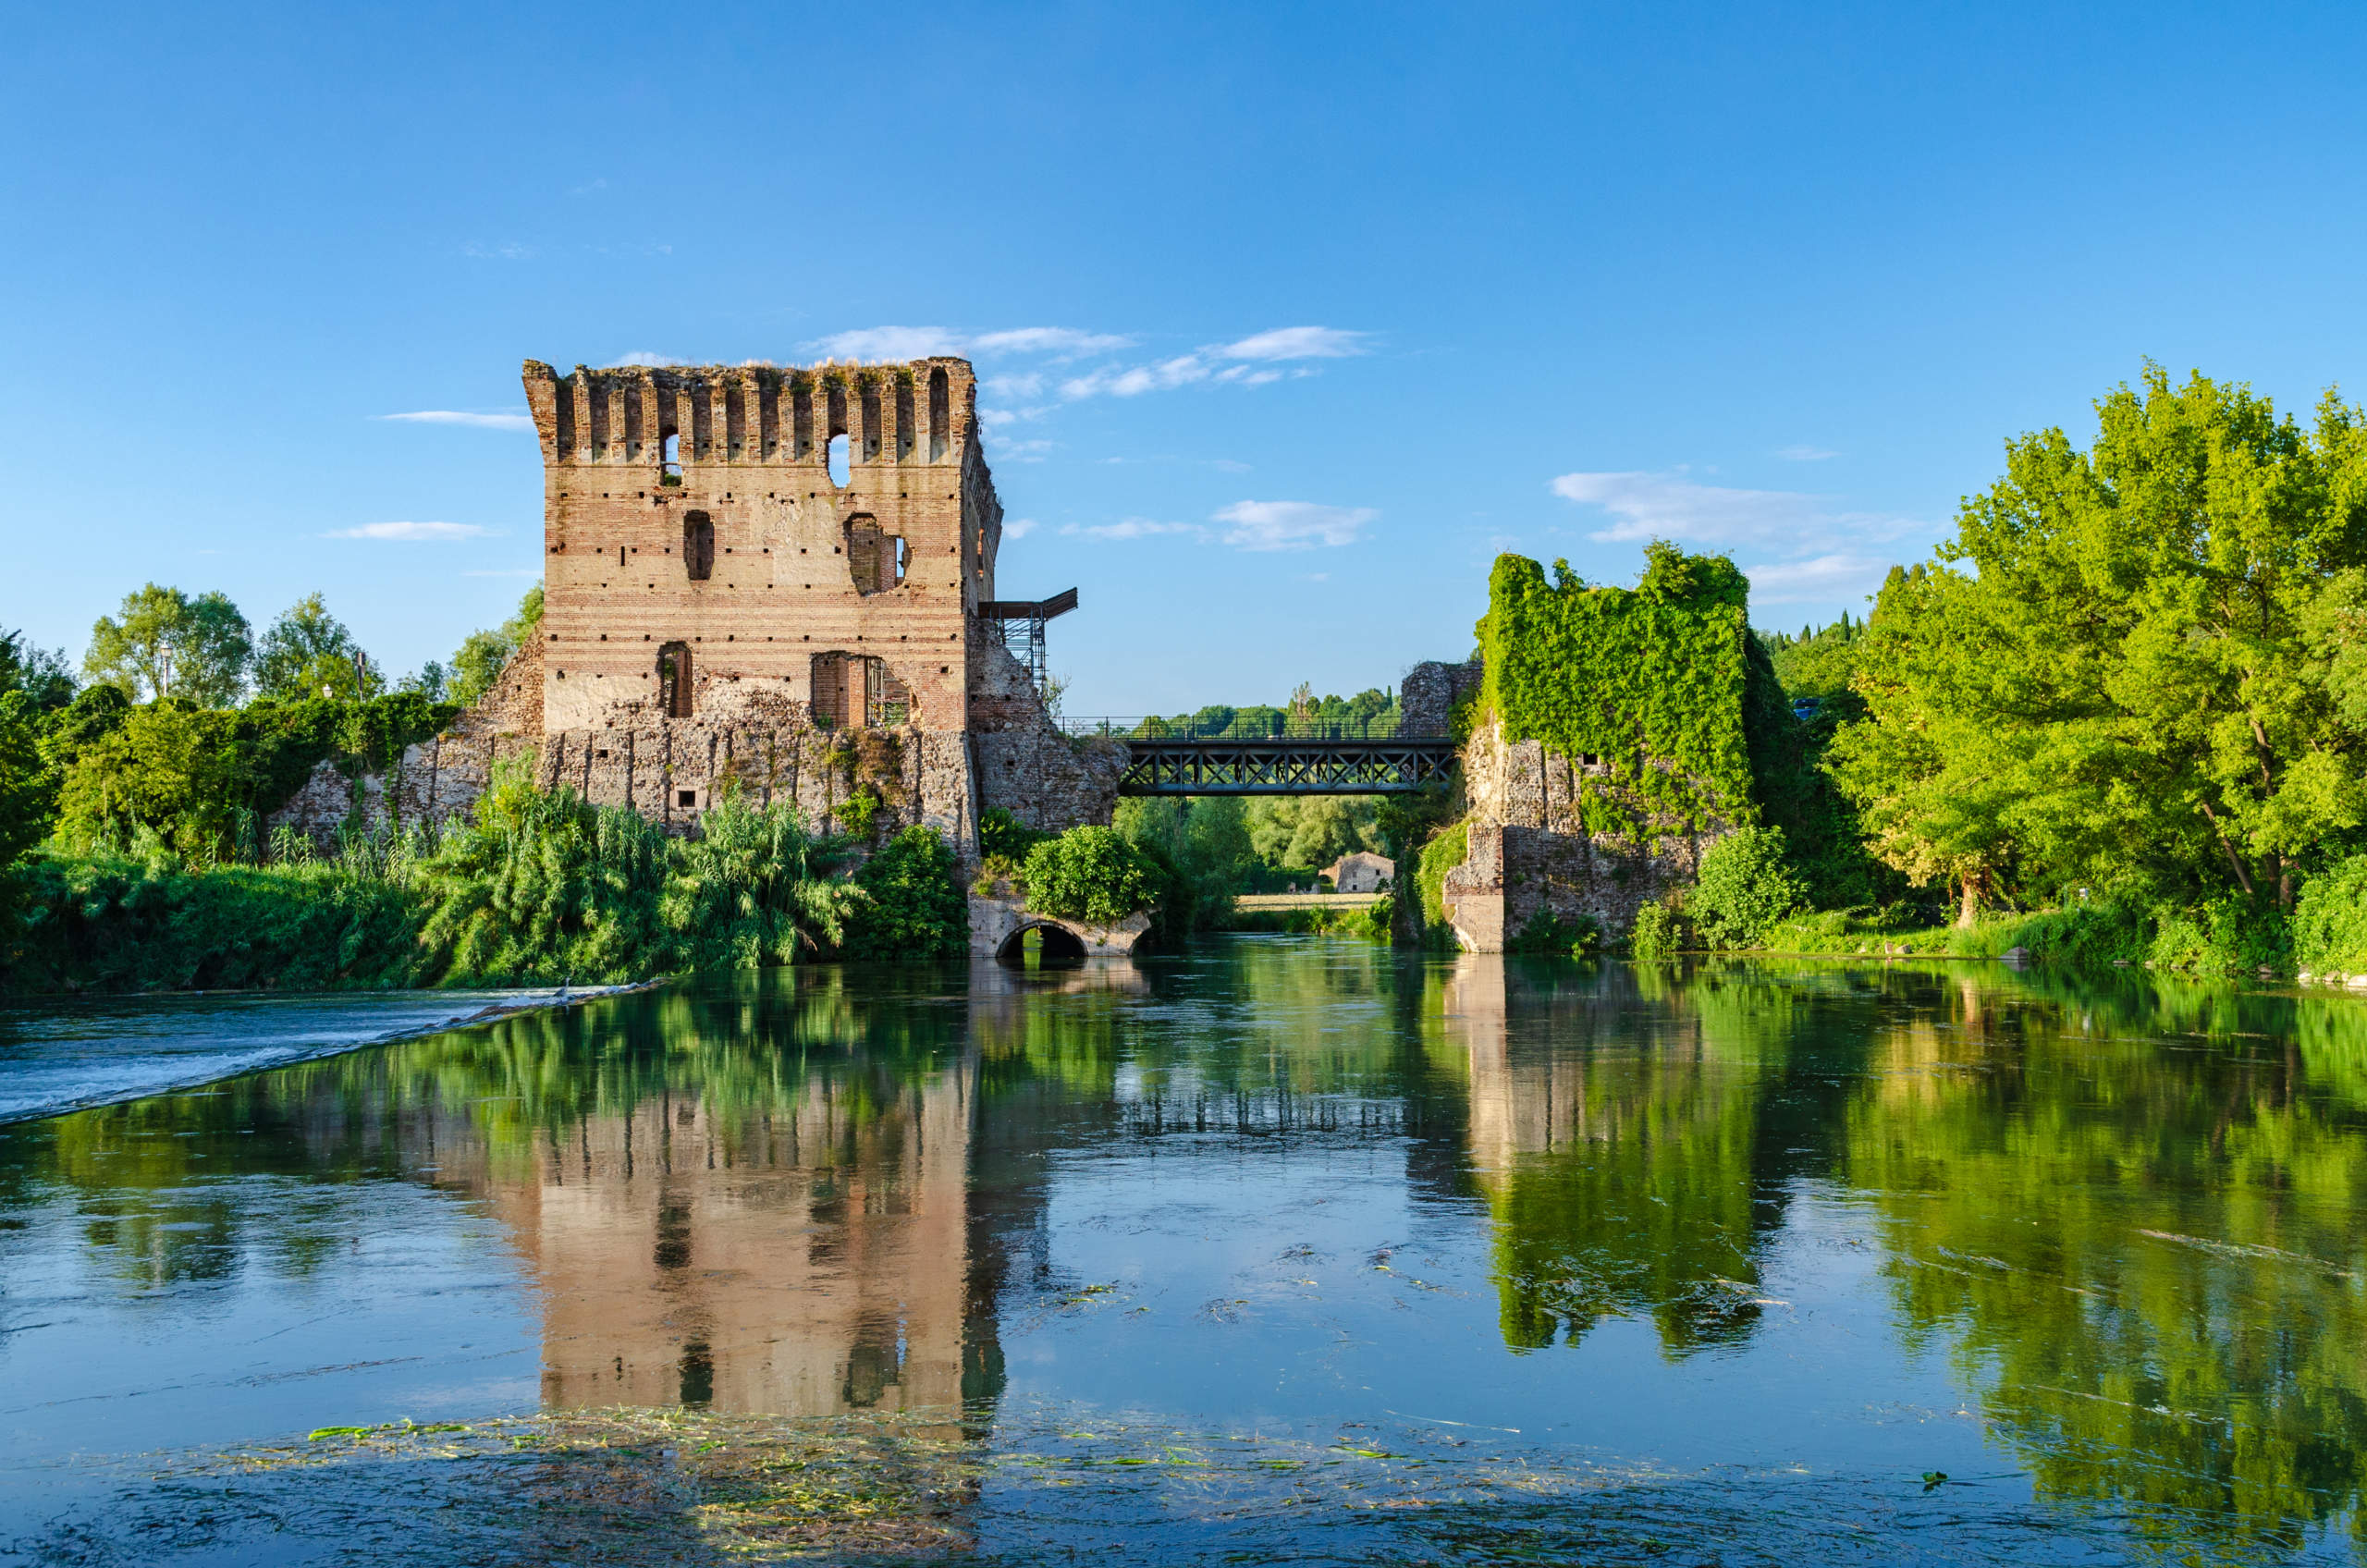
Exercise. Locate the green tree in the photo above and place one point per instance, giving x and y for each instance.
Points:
(1312, 830)
(482, 654)
(1747, 885)
(40, 673)
(1091, 873)
(162, 642)
(2126, 668)
(309, 653)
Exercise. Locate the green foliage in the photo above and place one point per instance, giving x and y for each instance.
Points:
(2134, 668)
(1649, 675)
(41, 674)
(1092, 873)
(1201, 846)
(309, 653)
(1450, 848)
(2330, 926)
(120, 923)
(752, 888)
(202, 779)
(483, 655)
(2227, 936)
(914, 906)
(1550, 933)
(1001, 834)
(857, 811)
(1820, 661)
(1661, 932)
(163, 643)
(1312, 829)
(1746, 886)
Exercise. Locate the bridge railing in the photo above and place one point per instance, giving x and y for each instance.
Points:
(1243, 726)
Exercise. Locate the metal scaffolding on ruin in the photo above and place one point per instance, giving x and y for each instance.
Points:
(1025, 617)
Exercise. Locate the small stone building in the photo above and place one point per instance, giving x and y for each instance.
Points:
(1361, 873)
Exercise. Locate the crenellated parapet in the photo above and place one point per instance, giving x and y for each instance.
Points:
(918, 413)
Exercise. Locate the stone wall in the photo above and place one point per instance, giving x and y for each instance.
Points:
(1531, 854)
(1428, 694)
(1025, 764)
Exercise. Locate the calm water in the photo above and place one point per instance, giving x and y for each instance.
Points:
(1285, 1250)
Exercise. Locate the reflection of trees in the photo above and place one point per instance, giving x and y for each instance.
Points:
(2144, 1255)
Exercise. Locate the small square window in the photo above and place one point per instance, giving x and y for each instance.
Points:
(686, 797)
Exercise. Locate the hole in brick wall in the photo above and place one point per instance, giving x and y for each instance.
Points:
(686, 797)
(669, 467)
(839, 473)
(674, 680)
(941, 412)
(698, 545)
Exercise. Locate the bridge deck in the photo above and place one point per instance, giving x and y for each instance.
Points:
(1164, 765)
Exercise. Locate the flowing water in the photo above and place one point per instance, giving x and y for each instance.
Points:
(1283, 1250)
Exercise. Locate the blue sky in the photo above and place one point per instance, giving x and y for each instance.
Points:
(1292, 317)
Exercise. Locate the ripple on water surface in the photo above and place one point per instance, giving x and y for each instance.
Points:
(1277, 1250)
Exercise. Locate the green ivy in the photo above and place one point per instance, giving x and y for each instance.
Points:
(1653, 680)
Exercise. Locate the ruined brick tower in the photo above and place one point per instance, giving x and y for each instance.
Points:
(721, 606)
(702, 561)
(730, 604)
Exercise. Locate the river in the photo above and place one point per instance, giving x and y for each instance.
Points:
(1281, 1249)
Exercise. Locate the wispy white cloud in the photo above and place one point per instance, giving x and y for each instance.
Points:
(1025, 451)
(1296, 343)
(921, 342)
(456, 416)
(1129, 528)
(410, 531)
(644, 357)
(1256, 360)
(1018, 528)
(507, 250)
(1804, 454)
(1820, 580)
(1293, 525)
(1792, 545)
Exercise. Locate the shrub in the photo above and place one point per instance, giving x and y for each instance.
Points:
(2330, 926)
(1745, 886)
(913, 905)
(1659, 933)
(1001, 834)
(1091, 873)
(1448, 849)
(1548, 933)
(2227, 936)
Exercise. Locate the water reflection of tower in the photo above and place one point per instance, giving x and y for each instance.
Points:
(804, 1260)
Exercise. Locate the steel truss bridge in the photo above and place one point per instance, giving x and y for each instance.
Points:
(1301, 766)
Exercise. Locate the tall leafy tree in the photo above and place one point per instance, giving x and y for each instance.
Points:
(482, 654)
(2126, 669)
(162, 642)
(309, 653)
(41, 674)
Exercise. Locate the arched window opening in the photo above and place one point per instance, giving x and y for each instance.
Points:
(904, 418)
(940, 414)
(670, 465)
(834, 433)
(698, 545)
(674, 680)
